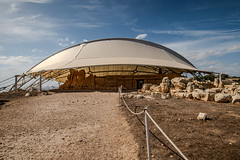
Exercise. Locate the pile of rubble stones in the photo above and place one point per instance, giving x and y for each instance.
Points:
(183, 87)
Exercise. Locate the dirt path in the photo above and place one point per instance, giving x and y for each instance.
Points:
(65, 126)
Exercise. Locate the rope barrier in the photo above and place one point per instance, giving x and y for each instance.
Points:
(148, 115)
(130, 109)
(166, 136)
(165, 145)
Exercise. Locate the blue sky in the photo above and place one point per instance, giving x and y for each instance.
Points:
(205, 32)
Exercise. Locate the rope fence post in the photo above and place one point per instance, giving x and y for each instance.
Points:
(119, 96)
(184, 157)
(147, 135)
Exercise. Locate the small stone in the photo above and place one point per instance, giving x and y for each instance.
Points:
(139, 96)
(27, 94)
(202, 116)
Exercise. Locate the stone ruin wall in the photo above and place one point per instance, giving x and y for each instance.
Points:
(77, 80)
(182, 87)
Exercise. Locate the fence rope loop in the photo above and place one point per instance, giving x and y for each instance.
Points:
(166, 136)
(120, 91)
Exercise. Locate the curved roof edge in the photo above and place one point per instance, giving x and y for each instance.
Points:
(126, 39)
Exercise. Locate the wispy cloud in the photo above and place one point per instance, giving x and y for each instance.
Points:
(64, 42)
(15, 60)
(196, 32)
(18, 26)
(32, 1)
(35, 50)
(141, 36)
(217, 66)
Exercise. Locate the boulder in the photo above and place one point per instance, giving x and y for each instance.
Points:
(214, 90)
(130, 96)
(236, 98)
(146, 86)
(209, 94)
(165, 85)
(204, 85)
(189, 95)
(166, 96)
(191, 86)
(139, 96)
(208, 97)
(216, 82)
(220, 85)
(222, 97)
(155, 88)
(198, 94)
(180, 94)
(180, 83)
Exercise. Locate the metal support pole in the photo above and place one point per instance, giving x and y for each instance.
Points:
(40, 84)
(147, 135)
(16, 83)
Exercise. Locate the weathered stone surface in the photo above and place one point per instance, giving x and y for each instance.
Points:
(180, 83)
(208, 96)
(146, 86)
(165, 86)
(180, 94)
(202, 116)
(198, 94)
(191, 86)
(130, 96)
(204, 85)
(139, 96)
(236, 98)
(222, 97)
(155, 88)
(214, 90)
(165, 95)
(216, 80)
(220, 85)
(173, 92)
(188, 95)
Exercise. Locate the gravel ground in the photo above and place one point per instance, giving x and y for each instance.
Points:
(79, 125)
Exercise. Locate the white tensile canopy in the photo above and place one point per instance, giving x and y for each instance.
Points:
(111, 52)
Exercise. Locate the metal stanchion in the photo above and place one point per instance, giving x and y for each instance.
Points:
(147, 135)
(16, 80)
(119, 96)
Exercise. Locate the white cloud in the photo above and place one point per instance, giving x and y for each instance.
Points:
(217, 66)
(32, 1)
(196, 32)
(64, 42)
(141, 36)
(17, 26)
(85, 40)
(15, 60)
(34, 50)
